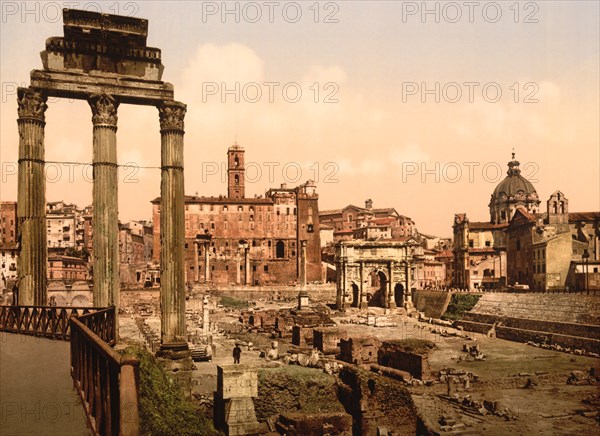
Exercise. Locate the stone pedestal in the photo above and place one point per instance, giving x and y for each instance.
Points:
(205, 315)
(105, 200)
(31, 199)
(234, 408)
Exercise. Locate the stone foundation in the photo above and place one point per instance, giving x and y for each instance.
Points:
(359, 350)
(297, 424)
(327, 339)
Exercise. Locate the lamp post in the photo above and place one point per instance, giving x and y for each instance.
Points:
(586, 259)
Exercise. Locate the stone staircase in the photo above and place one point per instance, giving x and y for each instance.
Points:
(576, 308)
(572, 321)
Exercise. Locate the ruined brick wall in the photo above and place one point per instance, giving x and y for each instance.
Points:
(359, 350)
(327, 339)
(376, 401)
(415, 364)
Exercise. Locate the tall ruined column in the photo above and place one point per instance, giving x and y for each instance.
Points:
(303, 263)
(31, 199)
(391, 290)
(247, 279)
(363, 295)
(105, 203)
(172, 232)
(237, 267)
(196, 263)
(408, 293)
(207, 262)
(339, 286)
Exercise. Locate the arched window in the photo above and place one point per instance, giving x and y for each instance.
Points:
(236, 179)
(279, 250)
(236, 161)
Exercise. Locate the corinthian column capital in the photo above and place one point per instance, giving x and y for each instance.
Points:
(104, 110)
(31, 104)
(171, 114)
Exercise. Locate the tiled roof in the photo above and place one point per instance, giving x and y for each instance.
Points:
(478, 225)
(584, 216)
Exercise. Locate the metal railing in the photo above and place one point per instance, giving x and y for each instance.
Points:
(106, 381)
(45, 321)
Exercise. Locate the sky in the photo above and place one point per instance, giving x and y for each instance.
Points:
(417, 106)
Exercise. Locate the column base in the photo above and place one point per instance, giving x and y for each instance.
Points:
(177, 361)
(392, 305)
(363, 305)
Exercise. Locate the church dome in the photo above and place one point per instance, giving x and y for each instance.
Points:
(515, 190)
(514, 184)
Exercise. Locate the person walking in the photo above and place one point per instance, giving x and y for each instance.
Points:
(237, 352)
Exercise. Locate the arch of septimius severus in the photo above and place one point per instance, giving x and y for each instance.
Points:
(103, 59)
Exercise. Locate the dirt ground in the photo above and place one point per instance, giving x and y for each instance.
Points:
(549, 408)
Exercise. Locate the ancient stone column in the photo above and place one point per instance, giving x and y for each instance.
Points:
(172, 232)
(237, 267)
(341, 286)
(303, 263)
(105, 217)
(247, 278)
(363, 295)
(408, 293)
(31, 198)
(391, 290)
(196, 263)
(206, 262)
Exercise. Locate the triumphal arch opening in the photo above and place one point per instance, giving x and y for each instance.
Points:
(375, 273)
(104, 60)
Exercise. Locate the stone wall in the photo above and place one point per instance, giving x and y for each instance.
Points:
(317, 293)
(433, 303)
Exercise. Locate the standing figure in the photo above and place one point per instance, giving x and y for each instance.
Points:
(237, 352)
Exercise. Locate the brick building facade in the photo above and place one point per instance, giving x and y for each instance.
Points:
(368, 223)
(8, 242)
(250, 241)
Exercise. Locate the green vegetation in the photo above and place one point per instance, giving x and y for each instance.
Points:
(234, 303)
(294, 388)
(163, 408)
(459, 304)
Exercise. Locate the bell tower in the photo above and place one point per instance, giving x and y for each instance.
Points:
(235, 172)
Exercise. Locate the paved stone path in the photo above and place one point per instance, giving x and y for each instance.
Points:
(36, 389)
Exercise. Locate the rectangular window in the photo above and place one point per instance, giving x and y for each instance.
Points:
(266, 268)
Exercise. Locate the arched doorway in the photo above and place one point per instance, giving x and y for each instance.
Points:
(355, 295)
(378, 289)
(399, 295)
